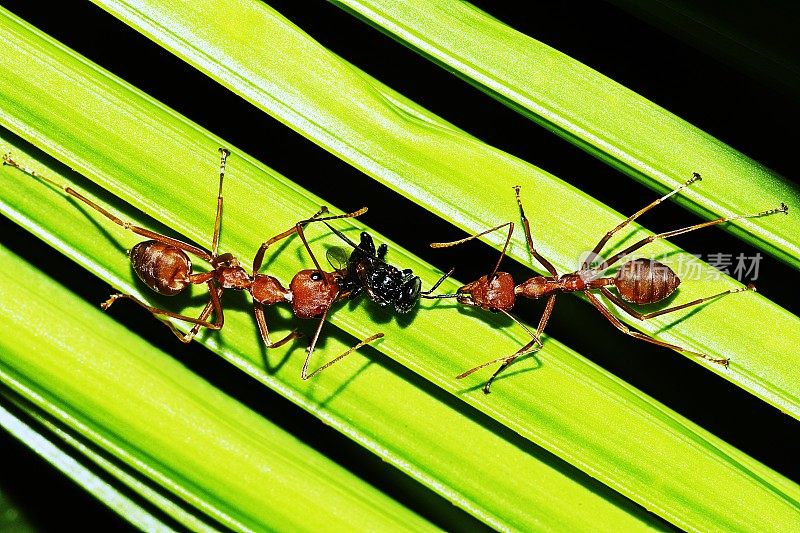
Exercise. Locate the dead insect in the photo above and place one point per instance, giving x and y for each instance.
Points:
(366, 271)
(639, 281)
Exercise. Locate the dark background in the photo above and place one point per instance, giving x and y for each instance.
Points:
(741, 110)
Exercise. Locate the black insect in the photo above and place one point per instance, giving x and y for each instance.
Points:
(366, 271)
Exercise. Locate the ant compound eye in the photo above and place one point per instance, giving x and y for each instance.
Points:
(316, 276)
(410, 295)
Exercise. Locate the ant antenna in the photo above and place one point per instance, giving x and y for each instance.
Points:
(438, 296)
(224, 153)
(426, 294)
(8, 160)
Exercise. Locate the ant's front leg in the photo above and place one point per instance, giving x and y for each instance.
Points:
(261, 321)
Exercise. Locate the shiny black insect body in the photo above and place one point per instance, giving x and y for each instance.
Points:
(366, 271)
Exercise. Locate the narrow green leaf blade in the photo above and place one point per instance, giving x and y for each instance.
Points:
(365, 399)
(45, 447)
(607, 429)
(640, 138)
(444, 169)
(218, 455)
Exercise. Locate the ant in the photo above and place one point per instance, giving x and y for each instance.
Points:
(639, 281)
(366, 271)
(163, 265)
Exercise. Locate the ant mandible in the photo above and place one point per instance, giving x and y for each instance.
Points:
(639, 281)
(163, 265)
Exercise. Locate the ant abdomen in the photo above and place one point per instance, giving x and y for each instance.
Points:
(645, 281)
(162, 267)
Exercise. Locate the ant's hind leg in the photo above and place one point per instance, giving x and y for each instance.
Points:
(641, 336)
(187, 338)
(622, 304)
(667, 234)
(213, 305)
(597, 249)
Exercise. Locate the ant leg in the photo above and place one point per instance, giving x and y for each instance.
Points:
(224, 153)
(622, 304)
(527, 227)
(298, 228)
(187, 338)
(635, 334)
(509, 359)
(597, 249)
(259, 257)
(202, 322)
(510, 226)
(7, 160)
(505, 360)
(261, 320)
(666, 235)
(305, 375)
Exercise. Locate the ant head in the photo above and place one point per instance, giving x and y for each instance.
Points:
(409, 295)
(313, 292)
(492, 294)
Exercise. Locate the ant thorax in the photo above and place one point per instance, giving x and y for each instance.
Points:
(539, 286)
(233, 277)
(230, 274)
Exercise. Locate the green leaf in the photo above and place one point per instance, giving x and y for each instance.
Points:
(166, 422)
(46, 447)
(445, 170)
(367, 399)
(639, 138)
(425, 158)
(605, 428)
(393, 397)
(436, 458)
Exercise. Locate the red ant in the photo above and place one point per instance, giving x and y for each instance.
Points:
(163, 265)
(639, 281)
